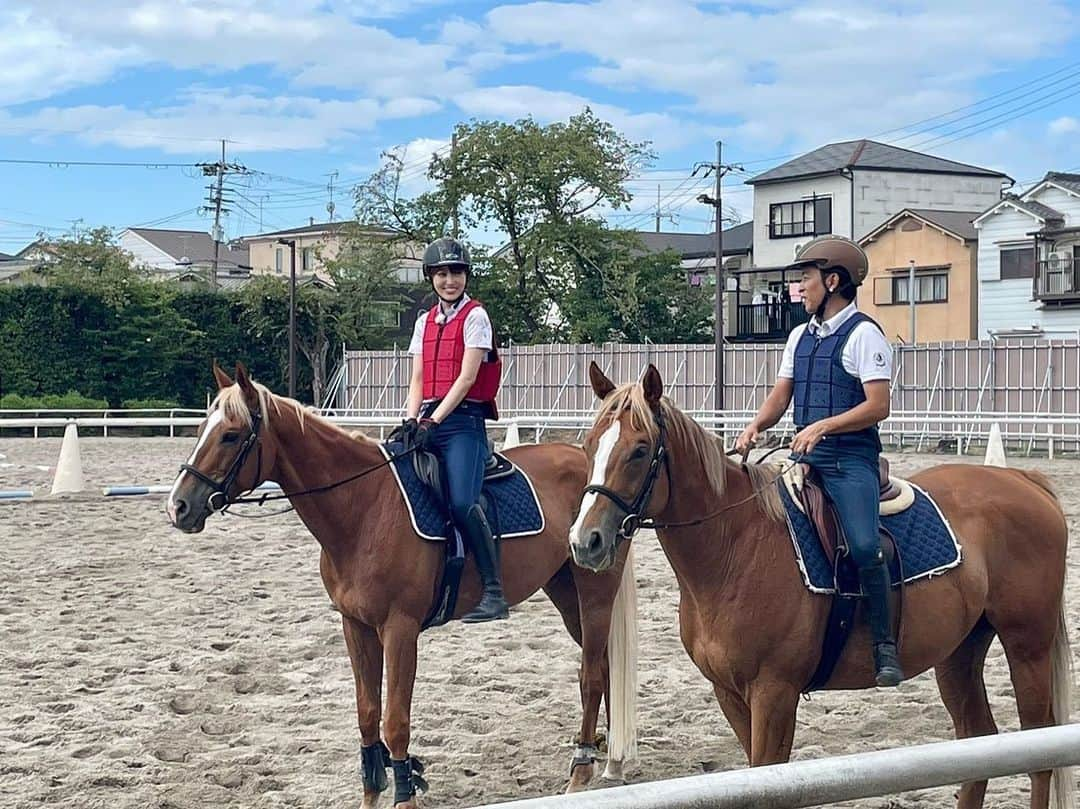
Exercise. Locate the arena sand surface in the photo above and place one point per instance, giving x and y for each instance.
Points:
(141, 667)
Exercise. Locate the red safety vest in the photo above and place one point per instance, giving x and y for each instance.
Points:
(444, 350)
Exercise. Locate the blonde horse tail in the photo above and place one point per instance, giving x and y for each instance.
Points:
(622, 673)
(1061, 688)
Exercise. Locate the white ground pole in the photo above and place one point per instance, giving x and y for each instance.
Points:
(842, 778)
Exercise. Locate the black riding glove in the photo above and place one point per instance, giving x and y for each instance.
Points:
(425, 431)
(404, 432)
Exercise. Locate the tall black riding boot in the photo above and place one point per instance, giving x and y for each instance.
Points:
(492, 606)
(875, 584)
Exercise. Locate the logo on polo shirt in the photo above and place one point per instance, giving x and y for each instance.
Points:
(879, 359)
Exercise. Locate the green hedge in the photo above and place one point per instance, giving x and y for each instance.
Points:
(72, 400)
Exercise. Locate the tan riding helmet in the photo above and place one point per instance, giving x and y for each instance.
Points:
(831, 253)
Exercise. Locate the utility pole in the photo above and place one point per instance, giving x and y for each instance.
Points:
(330, 206)
(658, 207)
(292, 314)
(911, 298)
(216, 199)
(719, 169)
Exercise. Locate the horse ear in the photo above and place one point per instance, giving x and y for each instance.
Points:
(653, 385)
(221, 377)
(601, 385)
(244, 381)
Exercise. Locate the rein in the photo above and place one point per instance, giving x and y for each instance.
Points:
(219, 499)
(635, 519)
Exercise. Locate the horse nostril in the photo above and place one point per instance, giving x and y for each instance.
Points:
(595, 542)
(181, 506)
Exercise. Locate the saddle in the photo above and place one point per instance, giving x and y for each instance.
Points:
(820, 511)
(429, 470)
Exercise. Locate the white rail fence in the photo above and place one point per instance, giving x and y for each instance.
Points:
(937, 430)
(841, 778)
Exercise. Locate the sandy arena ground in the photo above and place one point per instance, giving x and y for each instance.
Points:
(141, 667)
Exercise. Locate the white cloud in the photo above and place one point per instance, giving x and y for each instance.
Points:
(1064, 125)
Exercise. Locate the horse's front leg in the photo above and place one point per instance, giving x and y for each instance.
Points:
(366, 656)
(772, 722)
(399, 638)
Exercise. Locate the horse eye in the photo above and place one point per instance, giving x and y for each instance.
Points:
(640, 451)
(230, 438)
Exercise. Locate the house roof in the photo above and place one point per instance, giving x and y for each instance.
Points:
(1070, 182)
(1044, 213)
(737, 241)
(866, 154)
(319, 227)
(194, 245)
(958, 223)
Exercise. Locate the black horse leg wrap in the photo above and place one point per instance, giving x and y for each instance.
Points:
(408, 778)
(374, 759)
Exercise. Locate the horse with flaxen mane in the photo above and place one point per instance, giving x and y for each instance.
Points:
(381, 575)
(753, 628)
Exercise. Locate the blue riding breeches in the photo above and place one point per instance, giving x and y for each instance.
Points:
(461, 443)
(851, 479)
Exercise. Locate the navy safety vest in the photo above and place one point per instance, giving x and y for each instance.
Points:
(823, 387)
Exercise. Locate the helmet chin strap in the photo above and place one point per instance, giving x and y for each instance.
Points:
(819, 313)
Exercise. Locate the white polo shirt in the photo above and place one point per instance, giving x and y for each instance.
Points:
(867, 355)
(478, 332)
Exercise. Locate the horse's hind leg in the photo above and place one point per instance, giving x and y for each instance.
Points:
(564, 595)
(1030, 667)
(960, 680)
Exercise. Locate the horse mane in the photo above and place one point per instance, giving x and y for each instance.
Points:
(232, 401)
(690, 435)
(763, 479)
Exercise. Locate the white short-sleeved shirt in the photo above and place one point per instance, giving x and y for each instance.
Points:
(867, 354)
(478, 330)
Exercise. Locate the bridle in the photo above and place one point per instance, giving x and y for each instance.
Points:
(634, 520)
(219, 497)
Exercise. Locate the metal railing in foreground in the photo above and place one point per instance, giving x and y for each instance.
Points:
(842, 778)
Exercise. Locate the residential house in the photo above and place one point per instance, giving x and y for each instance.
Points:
(850, 188)
(319, 242)
(24, 267)
(943, 247)
(186, 256)
(1029, 260)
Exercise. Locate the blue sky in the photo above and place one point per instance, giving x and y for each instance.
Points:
(303, 88)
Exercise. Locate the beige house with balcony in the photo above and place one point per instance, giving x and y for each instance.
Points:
(944, 247)
(317, 243)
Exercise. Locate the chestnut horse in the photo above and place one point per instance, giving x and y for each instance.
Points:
(755, 631)
(381, 576)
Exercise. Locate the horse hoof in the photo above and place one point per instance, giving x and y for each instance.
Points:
(613, 771)
(580, 778)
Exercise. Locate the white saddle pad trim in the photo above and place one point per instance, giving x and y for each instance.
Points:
(793, 480)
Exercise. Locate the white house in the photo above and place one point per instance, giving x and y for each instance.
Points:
(850, 188)
(1029, 260)
(183, 254)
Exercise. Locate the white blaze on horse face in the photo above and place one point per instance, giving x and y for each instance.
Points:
(599, 475)
(212, 421)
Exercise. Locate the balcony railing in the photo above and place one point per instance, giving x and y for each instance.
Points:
(1058, 280)
(773, 320)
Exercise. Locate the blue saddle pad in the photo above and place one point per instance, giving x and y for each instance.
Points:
(510, 501)
(925, 540)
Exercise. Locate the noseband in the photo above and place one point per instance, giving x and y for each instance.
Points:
(635, 519)
(219, 497)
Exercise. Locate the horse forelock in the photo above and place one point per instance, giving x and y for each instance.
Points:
(628, 399)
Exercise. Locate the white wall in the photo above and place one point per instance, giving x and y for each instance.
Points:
(882, 194)
(146, 254)
(776, 252)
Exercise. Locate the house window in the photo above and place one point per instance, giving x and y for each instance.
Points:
(1017, 262)
(278, 259)
(809, 217)
(307, 259)
(928, 288)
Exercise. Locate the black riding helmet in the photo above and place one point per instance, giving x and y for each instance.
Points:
(446, 252)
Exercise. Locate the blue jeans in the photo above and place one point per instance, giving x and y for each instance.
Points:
(851, 480)
(461, 442)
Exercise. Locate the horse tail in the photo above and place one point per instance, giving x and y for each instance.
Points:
(1040, 480)
(622, 672)
(1061, 688)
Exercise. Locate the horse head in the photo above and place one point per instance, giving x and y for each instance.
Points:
(232, 454)
(626, 452)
